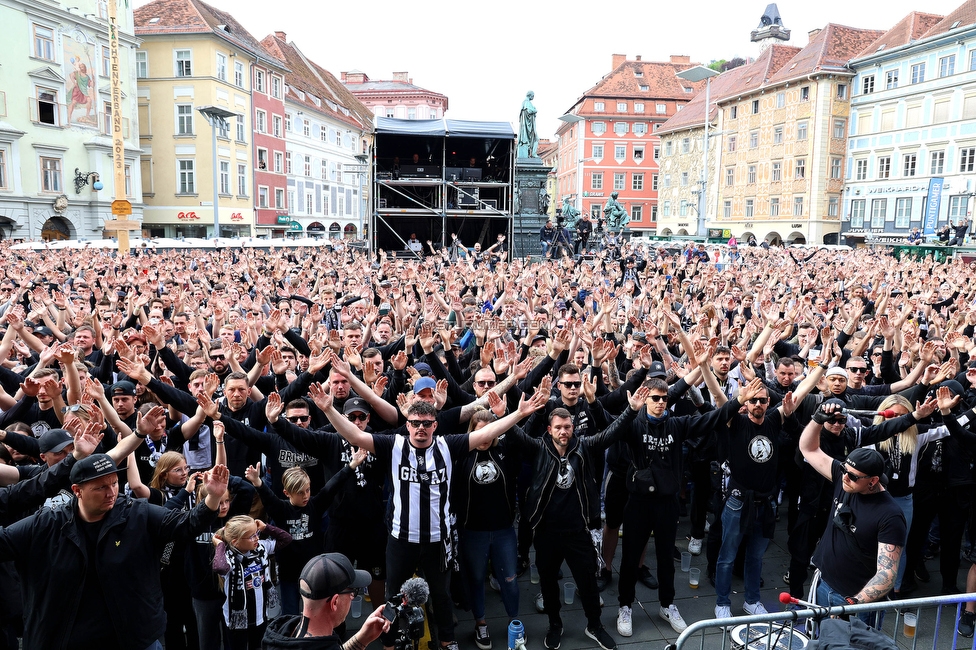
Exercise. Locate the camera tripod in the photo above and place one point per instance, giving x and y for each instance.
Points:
(560, 241)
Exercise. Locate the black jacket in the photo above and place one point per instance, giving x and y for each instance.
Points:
(49, 551)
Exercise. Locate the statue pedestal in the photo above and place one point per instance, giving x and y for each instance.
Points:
(530, 187)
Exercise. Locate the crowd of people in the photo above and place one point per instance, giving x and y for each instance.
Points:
(199, 447)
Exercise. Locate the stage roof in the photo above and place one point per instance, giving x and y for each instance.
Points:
(445, 128)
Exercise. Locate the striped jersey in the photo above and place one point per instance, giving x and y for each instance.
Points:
(421, 480)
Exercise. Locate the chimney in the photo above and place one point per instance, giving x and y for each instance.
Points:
(638, 57)
(401, 76)
(812, 34)
(618, 60)
(354, 77)
(282, 36)
(680, 58)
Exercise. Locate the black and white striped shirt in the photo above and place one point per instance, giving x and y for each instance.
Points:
(421, 480)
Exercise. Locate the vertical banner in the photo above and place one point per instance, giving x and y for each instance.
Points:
(932, 203)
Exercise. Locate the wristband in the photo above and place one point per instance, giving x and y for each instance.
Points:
(218, 442)
(136, 433)
(823, 365)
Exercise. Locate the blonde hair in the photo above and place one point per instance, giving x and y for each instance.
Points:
(233, 531)
(295, 479)
(907, 439)
(166, 462)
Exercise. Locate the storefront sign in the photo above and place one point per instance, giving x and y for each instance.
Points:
(187, 216)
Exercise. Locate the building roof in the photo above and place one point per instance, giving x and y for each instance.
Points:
(962, 16)
(311, 79)
(659, 77)
(909, 29)
(195, 17)
(829, 50)
(389, 87)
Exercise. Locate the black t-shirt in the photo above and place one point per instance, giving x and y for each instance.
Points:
(752, 450)
(564, 512)
(487, 501)
(845, 564)
(92, 627)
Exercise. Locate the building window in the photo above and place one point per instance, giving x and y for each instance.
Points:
(727, 210)
(657, 153)
(729, 176)
(186, 179)
(276, 87)
(618, 181)
(636, 212)
(947, 65)
(780, 100)
(867, 84)
(241, 130)
(324, 171)
(637, 182)
(685, 145)
(287, 122)
(884, 167)
(891, 79)
(288, 165)
(878, 209)
(774, 207)
(683, 209)
(801, 168)
(184, 63)
(259, 81)
(840, 129)
(262, 160)
(596, 181)
(918, 73)
(51, 175)
(835, 168)
(306, 128)
(661, 109)
(620, 152)
(184, 119)
(654, 178)
(666, 209)
(857, 213)
(909, 163)
(3, 169)
(731, 143)
(598, 151)
(777, 135)
(262, 196)
(221, 66)
(48, 109)
(309, 203)
(142, 64)
(261, 121)
(972, 60)
(833, 206)
(276, 125)
(44, 43)
(620, 128)
(640, 128)
(754, 139)
(684, 179)
(861, 169)
(750, 207)
(639, 152)
(733, 112)
(751, 174)
(967, 159)
(241, 180)
(599, 128)
(937, 166)
(639, 106)
(841, 91)
(223, 129)
(279, 198)
(224, 177)
(798, 206)
(958, 207)
(238, 74)
(755, 106)
(777, 172)
(308, 166)
(805, 94)
(801, 130)
(621, 107)
(667, 181)
(903, 212)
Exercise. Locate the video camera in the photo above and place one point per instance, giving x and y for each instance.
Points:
(407, 608)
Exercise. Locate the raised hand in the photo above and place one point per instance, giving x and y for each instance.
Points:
(320, 396)
(273, 407)
(253, 474)
(638, 398)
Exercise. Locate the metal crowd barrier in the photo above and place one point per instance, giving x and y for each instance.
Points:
(791, 630)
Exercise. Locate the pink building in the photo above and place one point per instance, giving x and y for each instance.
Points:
(398, 98)
(270, 180)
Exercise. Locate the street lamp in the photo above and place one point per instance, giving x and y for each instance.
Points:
(694, 75)
(217, 117)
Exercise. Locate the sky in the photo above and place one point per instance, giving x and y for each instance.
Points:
(485, 56)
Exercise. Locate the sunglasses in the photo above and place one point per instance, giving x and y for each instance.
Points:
(357, 417)
(422, 424)
(854, 478)
(658, 398)
(758, 400)
(295, 419)
(352, 591)
(858, 371)
(571, 384)
(485, 384)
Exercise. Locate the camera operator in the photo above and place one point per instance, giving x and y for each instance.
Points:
(328, 585)
(583, 229)
(546, 235)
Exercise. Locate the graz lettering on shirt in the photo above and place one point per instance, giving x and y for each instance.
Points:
(433, 477)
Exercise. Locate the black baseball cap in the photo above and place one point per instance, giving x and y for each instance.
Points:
(123, 388)
(95, 466)
(867, 461)
(329, 574)
(354, 405)
(657, 370)
(54, 440)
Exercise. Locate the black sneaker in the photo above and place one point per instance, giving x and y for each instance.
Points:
(921, 573)
(554, 636)
(603, 579)
(602, 637)
(481, 637)
(647, 578)
(967, 624)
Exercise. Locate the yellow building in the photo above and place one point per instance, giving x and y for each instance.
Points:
(193, 55)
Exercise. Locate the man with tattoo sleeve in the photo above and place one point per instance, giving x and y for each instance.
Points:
(859, 552)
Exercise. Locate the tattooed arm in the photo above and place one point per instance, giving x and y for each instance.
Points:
(883, 581)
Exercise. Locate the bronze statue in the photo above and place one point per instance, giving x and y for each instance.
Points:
(528, 138)
(614, 213)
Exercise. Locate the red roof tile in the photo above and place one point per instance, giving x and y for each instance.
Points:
(659, 77)
(910, 28)
(831, 49)
(964, 15)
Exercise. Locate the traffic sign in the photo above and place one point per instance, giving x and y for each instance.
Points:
(121, 208)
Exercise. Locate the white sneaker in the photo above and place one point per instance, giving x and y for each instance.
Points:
(494, 583)
(754, 608)
(723, 611)
(694, 546)
(540, 603)
(673, 616)
(625, 626)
